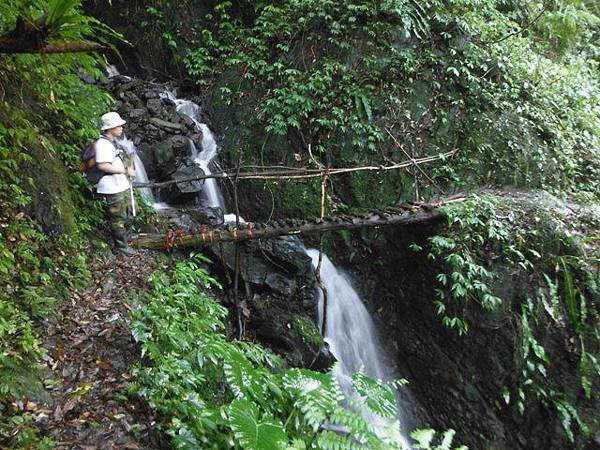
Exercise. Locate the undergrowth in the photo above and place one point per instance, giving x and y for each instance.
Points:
(521, 108)
(215, 393)
(551, 260)
(47, 114)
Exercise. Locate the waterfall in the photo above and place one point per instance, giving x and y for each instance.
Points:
(140, 171)
(211, 194)
(350, 332)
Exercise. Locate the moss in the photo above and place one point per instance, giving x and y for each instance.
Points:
(308, 332)
(51, 203)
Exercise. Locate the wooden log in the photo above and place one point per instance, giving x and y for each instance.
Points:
(207, 236)
(16, 46)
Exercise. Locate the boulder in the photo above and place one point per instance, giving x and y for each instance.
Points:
(136, 114)
(155, 106)
(168, 126)
(179, 192)
(286, 251)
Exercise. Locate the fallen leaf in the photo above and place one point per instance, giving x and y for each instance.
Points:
(70, 404)
(58, 414)
(81, 391)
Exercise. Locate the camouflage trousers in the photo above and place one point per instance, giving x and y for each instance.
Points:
(116, 211)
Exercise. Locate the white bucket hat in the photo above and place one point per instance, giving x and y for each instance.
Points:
(111, 120)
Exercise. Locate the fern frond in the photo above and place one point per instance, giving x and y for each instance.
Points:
(253, 433)
(329, 440)
(316, 395)
(380, 397)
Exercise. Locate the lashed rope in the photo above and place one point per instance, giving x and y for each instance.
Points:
(301, 173)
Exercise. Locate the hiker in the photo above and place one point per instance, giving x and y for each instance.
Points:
(115, 184)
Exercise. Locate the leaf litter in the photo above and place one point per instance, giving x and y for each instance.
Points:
(90, 354)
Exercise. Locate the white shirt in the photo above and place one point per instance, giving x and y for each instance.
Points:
(110, 183)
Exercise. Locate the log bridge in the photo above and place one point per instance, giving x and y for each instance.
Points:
(397, 215)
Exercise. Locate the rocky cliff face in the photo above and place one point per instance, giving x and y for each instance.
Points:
(463, 381)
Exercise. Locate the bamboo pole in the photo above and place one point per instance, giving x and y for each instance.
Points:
(301, 173)
(404, 216)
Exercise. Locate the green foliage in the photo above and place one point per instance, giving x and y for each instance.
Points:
(513, 236)
(512, 86)
(425, 438)
(63, 20)
(466, 279)
(47, 114)
(21, 434)
(216, 393)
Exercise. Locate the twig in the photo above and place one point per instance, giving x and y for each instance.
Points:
(520, 30)
(308, 173)
(238, 311)
(399, 145)
(318, 271)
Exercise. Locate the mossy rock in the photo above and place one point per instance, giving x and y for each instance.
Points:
(293, 335)
(51, 202)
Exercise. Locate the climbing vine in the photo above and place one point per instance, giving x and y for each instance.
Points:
(534, 246)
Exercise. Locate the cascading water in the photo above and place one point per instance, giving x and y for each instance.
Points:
(211, 194)
(350, 331)
(140, 171)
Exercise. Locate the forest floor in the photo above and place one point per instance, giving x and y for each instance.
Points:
(90, 356)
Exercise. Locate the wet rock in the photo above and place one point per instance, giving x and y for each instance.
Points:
(169, 126)
(188, 121)
(280, 284)
(286, 251)
(155, 106)
(324, 359)
(173, 193)
(254, 270)
(136, 114)
(208, 216)
(294, 335)
(188, 219)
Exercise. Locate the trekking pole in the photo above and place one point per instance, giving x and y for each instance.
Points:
(132, 199)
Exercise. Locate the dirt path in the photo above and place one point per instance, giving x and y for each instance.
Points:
(90, 354)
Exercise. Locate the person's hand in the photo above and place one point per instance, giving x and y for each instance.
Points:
(130, 172)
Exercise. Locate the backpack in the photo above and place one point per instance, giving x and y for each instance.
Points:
(88, 166)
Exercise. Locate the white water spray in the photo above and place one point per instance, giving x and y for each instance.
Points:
(211, 194)
(350, 333)
(140, 171)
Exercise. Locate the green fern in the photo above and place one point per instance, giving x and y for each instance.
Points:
(215, 393)
(251, 432)
(380, 398)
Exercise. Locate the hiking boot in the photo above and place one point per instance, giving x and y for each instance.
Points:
(127, 251)
(121, 243)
